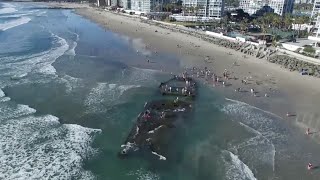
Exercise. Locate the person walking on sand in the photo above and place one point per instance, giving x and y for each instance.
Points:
(252, 91)
(310, 166)
(308, 131)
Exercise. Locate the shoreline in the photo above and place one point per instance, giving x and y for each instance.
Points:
(193, 52)
(286, 90)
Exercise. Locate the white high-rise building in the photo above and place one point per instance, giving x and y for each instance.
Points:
(111, 2)
(315, 21)
(142, 5)
(206, 8)
(280, 7)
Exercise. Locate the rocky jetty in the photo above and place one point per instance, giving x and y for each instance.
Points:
(294, 64)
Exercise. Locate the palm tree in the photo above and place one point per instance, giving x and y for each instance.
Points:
(244, 25)
(288, 19)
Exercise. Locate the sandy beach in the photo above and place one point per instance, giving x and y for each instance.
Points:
(278, 90)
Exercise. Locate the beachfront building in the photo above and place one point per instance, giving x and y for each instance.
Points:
(112, 3)
(126, 4)
(280, 7)
(205, 8)
(315, 21)
(146, 6)
(101, 3)
(304, 2)
(141, 5)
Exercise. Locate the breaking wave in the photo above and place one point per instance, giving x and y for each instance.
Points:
(105, 94)
(235, 168)
(71, 83)
(37, 63)
(17, 15)
(39, 147)
(7, 8)
(1, 93)
(14, 23)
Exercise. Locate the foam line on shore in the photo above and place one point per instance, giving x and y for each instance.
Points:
(14, 23)
(273, 149)
(240, 102)
(38, 63)
(1, 93)
(235, 168)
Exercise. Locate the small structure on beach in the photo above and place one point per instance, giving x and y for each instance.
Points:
(157, 119)
(179, 86)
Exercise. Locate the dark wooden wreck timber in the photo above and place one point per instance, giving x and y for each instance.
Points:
(158, 118)
(179, 86)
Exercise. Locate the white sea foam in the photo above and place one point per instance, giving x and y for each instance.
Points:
(17, 15)
(1, 93)
(10, 110)
(37, 63)
(105, 94)
(8, 5)
(243, 103)
(71, 83)
(235, 168)
(5, 99)
(72, 50)
(14, 23)
(141, 174)
(54, 54)
(7, 10)
(41, 148)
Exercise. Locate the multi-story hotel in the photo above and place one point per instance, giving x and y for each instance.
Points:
(142, 5)
(280, 7)
(315, 21)
(206, 8)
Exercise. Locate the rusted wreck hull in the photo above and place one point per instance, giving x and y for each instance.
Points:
(157, 120)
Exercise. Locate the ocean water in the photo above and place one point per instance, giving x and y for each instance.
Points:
(70, 92)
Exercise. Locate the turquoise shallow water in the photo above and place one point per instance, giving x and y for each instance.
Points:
(70, 92)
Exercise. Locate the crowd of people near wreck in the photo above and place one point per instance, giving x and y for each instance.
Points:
(188, 89)
(185, 87)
